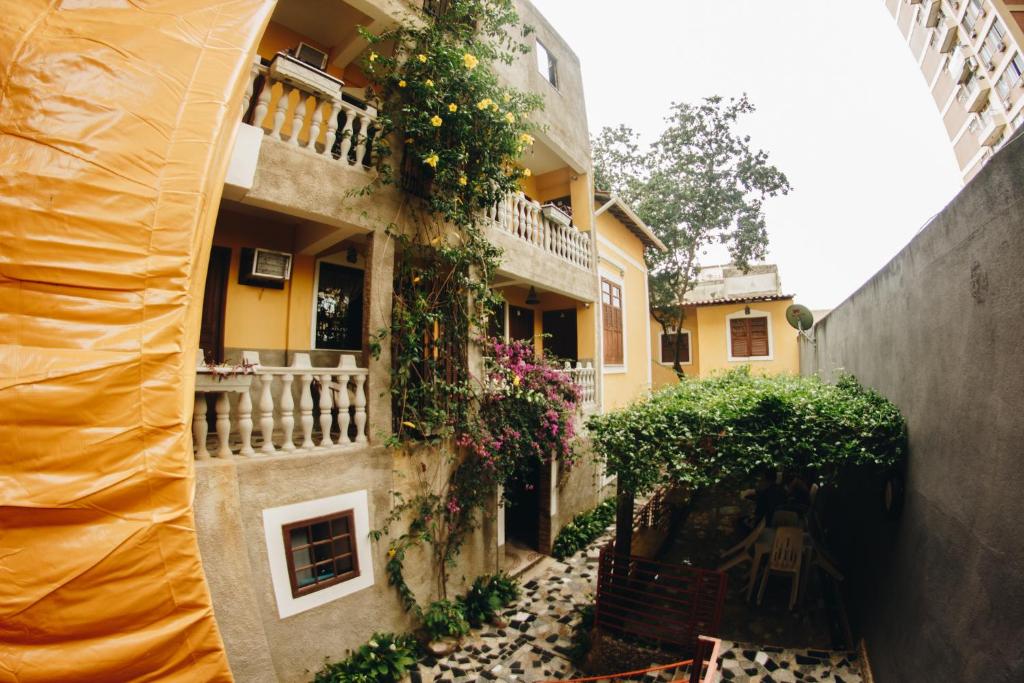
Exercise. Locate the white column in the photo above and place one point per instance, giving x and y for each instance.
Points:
(314, 124)
(332, 128)
(326, 406)
(343, 405)
(287, 404)
(306, 410)
(267, 413)
(363, 138)
(346, 134)
(280, 111)
(245, 422)
(222, 408)
(262, 103)
(360, 402)
(199, 428)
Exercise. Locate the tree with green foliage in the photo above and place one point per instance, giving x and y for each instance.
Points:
(700, 183)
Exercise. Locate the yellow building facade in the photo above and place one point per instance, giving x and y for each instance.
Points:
(709, 345)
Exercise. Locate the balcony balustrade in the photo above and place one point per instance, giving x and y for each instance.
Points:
(320, 120)
(584, 376)
(292, 409)
(525, 219)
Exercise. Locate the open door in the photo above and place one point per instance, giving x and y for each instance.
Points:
(560, 333)
(211, 334)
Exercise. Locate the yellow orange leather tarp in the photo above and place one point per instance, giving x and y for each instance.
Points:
(116, 122)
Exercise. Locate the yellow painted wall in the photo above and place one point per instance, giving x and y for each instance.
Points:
(714, 354)
(622, 388)
(662, 374)
(707, 325)
(259, 317)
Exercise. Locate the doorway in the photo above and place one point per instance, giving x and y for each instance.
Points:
(520, 324)
(215, 297)
(560, 334)
(522, 506)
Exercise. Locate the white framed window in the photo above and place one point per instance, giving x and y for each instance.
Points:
(279, 524)
(614, 337)
(337, 322)
(748, 336)
(666, 348)
(547, 65)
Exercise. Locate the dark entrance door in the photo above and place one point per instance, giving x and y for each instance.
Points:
(211, 334)
(520, 324)
(522, 507)
(560, 333)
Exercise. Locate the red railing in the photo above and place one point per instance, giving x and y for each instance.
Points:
(667, 605)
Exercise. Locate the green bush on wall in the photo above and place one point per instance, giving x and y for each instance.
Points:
(384, 659)
(583, 529)
(704, 431)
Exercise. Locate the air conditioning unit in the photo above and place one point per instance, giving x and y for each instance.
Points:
(264, 268)
(1001, 47)
(307, 54)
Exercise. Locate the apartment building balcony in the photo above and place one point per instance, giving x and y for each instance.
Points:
(263, 410)
(990, 127)
(542, 248)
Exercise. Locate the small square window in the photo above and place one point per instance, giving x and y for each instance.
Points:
(321, 552)
(547, 64)
(668, 347)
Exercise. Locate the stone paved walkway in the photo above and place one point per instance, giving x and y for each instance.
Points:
(536, 644)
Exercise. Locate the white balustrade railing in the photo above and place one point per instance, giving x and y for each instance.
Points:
(525, 219)
(584, 376)
(325, 125)
(299, 408)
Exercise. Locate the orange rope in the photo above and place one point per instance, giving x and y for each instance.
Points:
(609, 677)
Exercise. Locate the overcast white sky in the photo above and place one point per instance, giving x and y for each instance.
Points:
(842, 110)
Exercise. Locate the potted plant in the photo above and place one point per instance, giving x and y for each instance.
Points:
(556, 214)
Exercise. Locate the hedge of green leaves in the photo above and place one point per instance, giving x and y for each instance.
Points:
(704, 431)
(583, 529)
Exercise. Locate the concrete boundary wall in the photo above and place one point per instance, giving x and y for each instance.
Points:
(938, 593)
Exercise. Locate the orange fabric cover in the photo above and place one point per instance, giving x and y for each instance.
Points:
(116, 120)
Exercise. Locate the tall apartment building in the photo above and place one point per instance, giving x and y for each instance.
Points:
(970, 54)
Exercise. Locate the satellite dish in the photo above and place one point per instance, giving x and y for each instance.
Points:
(799, 317)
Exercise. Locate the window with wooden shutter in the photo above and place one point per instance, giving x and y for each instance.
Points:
(321, 552)
(611, 315)
(749, 337)
(668, 347)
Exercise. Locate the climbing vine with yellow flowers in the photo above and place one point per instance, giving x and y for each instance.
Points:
(452, 136)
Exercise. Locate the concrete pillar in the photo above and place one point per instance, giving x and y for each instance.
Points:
(378, 297)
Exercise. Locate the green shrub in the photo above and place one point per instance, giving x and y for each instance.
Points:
(583, 529)
(384, 659)
(486, 596)
(444, 619)
(704, 431)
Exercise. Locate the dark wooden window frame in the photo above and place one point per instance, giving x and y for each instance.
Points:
(336, 578)
(613, 287)
(749, 352)
(687, 355)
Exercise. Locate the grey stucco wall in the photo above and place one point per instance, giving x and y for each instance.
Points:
(938, 593)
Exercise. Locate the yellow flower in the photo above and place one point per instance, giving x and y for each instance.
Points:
(453, 107)
(431, 161)
(494, 106)
(527, 173)
(516, 380)
(409, 141)
(484, 103)
(391, 552)
(508, 98)
(510, 117)
(422, 58)
(401, 84)
(373, 57)
(410, 425)
(470, 61)
(429, 83)
(463, 180)
(526, 139)
(436, 121)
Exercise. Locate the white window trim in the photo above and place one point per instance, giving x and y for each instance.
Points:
(728, 336)
(689, 341)
(274, 520)
(335, 259)
(616, 278)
